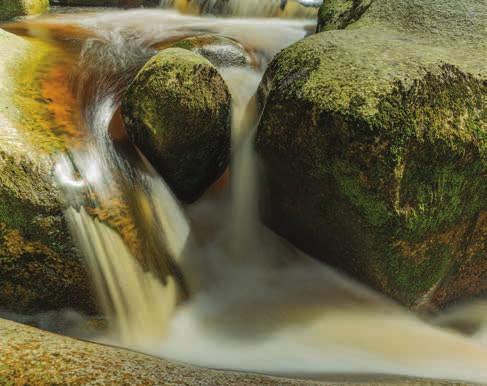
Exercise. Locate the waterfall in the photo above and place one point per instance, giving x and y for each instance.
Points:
(136, 277)
(245, 222)
(144, 228)
(136, 302)
(207, 283)
(247, 8)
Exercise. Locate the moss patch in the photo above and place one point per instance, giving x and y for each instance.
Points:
(13, 8)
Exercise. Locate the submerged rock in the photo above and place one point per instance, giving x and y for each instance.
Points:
(219, 50)
(374, 146)
(177, 111)
(13, 8)
(39, 266)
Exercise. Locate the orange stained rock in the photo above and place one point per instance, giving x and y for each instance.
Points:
(221, 183)
(61, 102)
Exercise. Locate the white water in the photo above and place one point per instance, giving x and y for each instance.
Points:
(135, 298)
(255, 303)
(247, 8)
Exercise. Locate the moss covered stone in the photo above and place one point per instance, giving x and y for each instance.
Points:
(177, 111)
(39, 267)
(13, 8)
(374, 143)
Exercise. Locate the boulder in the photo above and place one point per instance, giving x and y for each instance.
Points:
(374, 146)
(40, 268)
(33, 357)
(219, 50)
(13, 8)
(177, 111)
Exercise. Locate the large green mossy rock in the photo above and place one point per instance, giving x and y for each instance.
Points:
(39, 267)
(177, 111)
(374, 146)
(14, 8)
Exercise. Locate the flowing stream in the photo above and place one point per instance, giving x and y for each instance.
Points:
(207, 283)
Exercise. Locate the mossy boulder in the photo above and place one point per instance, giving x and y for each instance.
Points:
(177, 111)
(13, 8)
(39, 267)
(374, 147)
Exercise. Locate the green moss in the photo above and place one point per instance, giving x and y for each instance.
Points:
(14, 8)
(338, 14)
(408, 281)
(392, 131)
(442, 198)
(177, 110)
(374, 210)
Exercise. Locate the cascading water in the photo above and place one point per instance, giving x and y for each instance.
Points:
(247, 8)
(208, 284)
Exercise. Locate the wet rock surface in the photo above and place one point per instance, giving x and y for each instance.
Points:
(39, 265)
(177, 111)
(374, 146)
(220, 51)
(13, 8)
(33, 357)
